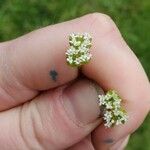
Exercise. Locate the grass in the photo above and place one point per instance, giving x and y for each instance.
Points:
(18, 17)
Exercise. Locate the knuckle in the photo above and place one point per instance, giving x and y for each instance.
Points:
(101, 16)
(28, 128)
(101, 22)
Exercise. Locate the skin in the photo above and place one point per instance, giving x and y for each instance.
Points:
(42, 114)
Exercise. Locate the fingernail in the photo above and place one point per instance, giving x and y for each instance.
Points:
(81, 101)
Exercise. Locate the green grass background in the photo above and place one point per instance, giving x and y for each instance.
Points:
(18, 17)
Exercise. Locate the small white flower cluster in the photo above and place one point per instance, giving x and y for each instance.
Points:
(78, 53)
(114, 114)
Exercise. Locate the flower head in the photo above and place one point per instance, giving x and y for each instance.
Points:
(114, 114)
(78, 53)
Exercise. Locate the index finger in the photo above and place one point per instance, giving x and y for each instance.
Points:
(37, 61)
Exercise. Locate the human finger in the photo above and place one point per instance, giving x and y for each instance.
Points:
(37, 62)
(115, 66)
(85, 144)
(56, 119)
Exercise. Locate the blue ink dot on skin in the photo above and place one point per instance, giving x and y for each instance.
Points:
(53, 75)
(109, 141)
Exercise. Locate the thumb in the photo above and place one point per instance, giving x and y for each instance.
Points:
(56, 119)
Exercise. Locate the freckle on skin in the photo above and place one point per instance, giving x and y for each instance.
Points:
(109, 141)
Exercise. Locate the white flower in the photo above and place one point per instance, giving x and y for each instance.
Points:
(101, 100)
(109, 105)
(108, 96)
(69, 59)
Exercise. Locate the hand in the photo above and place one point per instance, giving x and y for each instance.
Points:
(45, 106)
